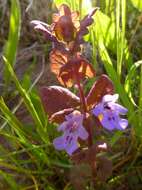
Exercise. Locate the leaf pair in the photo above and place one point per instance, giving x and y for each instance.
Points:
(70, 69)
(101, 167)
(59, 101)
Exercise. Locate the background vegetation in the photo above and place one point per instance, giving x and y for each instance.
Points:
(114, 46)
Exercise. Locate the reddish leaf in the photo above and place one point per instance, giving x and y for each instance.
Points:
(59, 116)
(75, 20)
(82, 29)
(80, 157)
(104, 168)
(89, 155)
(79, 175)
(84, 23)
(56, 98)
(76, 69)
(63, 24)
(57, 59)
(64, 10)
(45, 29)
(68, 69)
(88, 20)
(101, 87)
(64, 29)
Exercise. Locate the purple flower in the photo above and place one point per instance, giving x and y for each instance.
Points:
(108, 113)
(73, 129)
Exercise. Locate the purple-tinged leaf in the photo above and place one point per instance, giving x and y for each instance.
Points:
(64, 24)
(56, 98)
(59, 117)
(104, 168)
(79, 175)
(78, 68)
(45, 29)
(84, 23)
(101, 87)
(89, 155)
(58, 58)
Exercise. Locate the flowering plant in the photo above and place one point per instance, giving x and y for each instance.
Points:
(78, 114)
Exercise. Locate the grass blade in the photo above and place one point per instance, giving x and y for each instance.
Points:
(13, 37)
(120, 34)
(28, 102)
(129, 78)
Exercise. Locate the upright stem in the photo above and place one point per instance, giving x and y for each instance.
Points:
(82, 97)
(84, 109)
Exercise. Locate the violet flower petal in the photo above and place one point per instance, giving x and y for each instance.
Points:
(70, 148)
(98, 109)
(118, 108)
(82, 133)
(107, 123)
(62, 126)
(110, 98)
(123, 123)
(112, 121)
(59, 143)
